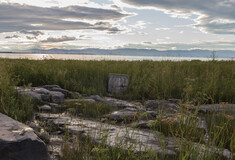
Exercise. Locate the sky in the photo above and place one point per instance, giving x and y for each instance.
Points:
(112, 24)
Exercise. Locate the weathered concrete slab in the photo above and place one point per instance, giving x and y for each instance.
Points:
(118, 83)
(19, 142)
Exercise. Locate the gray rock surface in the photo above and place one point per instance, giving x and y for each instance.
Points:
(45, 108)
(116, 135)
(228, 108)
(118, 83)
(57, 88)
(120, 104)
(162, 106)
(41, 94)
(127, 137)
(19, 142)
(57, 97)
(126, 115)
(97, 98)
(49, 87)
(90, 101)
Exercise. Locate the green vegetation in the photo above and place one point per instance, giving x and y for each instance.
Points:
(93, 110)
(11, 103)
(222, 130)
(196, 80)
(201, 82)
(83, 148)
(184, 127)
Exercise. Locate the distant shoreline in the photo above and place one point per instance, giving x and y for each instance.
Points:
(99, 57)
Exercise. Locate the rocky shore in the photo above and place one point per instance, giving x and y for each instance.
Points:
(128, 124)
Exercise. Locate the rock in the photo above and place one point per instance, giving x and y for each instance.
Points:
(178, 101)
(28, 92)
(129, 138)
(53, 104)
(126, 115)
(40, 90)
(125, 137)
(219, 151)
(149, 115)
(57, 88)
(49, 87)
(97, 98)
(142, 125)
(42, 94)
(45, 108)
(44, 135)
(117, 83)
(54, 146)
(35, 96)
(120, 104)
(162, 106)
(90, 101)
(67, 94)
(76, 94)
(227, 108)
(34, 125)
(19, 142)
(57, 97)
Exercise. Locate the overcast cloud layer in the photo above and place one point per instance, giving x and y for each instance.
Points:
(110, 24)
(218, 15)
(15, 17)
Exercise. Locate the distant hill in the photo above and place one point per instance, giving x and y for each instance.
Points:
(141, 52)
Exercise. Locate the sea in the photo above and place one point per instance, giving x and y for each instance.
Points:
(40, 56)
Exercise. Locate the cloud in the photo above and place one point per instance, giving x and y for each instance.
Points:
(162, 29)
(10, 37)
(139, 25)
(29, 19)
(31, 38)
(216, 16)
(60, 39)
(35, 33)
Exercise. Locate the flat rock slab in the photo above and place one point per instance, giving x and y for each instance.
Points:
(19, 142)
(81, 100)
(164, 106)
(125, 137)
(120, 104)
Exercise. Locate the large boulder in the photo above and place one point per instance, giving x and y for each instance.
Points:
(19, 142)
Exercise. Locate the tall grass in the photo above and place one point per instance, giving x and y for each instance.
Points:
(11, 103)
(196, 80)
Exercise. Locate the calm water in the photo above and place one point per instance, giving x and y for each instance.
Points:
(100, 57)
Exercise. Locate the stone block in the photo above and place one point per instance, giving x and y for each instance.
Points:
(118, 83)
